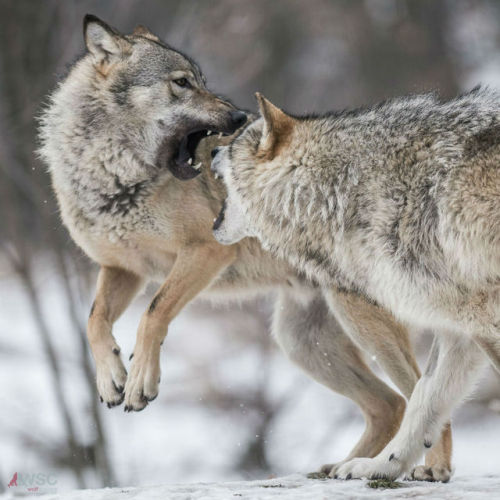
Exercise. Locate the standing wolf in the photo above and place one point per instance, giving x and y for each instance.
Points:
(399, 203)
(129, 121)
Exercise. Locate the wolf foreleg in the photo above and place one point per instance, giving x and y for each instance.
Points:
(193, 270)
(115, 289)
(451, 372)
(376, 331)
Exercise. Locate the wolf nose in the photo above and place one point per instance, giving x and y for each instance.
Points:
(214, 152)
(238, 118)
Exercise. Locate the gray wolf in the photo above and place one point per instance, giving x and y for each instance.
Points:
(398, 203)
(119, 135)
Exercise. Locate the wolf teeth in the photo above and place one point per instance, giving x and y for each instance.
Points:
(220, 135)
(190, 161)
(216, 176)
(197, 166)
(209, 132)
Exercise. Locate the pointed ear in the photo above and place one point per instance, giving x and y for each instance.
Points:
(278, 127)
(141, 30)
(103, 41)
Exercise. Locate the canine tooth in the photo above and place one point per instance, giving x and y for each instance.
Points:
(220, 135)
(190, 161)
(197, 166)
(209, 132)
(216, 176)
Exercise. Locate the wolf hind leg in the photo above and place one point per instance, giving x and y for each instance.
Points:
(487, 327)
(115, 290)
(377, 332)
(488, 339)
(437, 461)
(308, 333)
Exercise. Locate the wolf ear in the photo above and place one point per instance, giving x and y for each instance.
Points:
(141, 30)
(277, 127)
(103, 41)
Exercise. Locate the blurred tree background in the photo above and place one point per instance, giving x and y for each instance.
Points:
(306, 56)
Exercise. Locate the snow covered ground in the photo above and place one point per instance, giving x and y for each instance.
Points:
(295, 487)
(185, 444)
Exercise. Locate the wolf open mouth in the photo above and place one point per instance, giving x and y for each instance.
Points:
(178, 152)
(183, 165)
(220, 218)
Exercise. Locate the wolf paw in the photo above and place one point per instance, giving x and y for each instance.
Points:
(111, 376)
(432, 474)
(142, 382)
(331, 469)
(369, 468)
(327, 469)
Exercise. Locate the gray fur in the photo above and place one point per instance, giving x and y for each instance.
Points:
(399, 203)
(112, 126)
(108, 134)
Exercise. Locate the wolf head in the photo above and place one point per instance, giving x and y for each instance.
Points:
(251, 168)
(154, 93)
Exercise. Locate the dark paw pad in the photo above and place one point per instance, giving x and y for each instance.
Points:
(130, 408)
(112, 404)
(146, 398)
(118, 388)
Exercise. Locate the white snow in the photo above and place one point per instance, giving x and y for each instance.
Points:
(187, 445)
(293, 487)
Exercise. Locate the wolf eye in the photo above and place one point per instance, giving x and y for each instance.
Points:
(182, 82)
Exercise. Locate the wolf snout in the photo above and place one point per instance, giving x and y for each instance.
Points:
(238, 118)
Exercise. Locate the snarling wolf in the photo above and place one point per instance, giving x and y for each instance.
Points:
(400, 204)
(120, 134)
